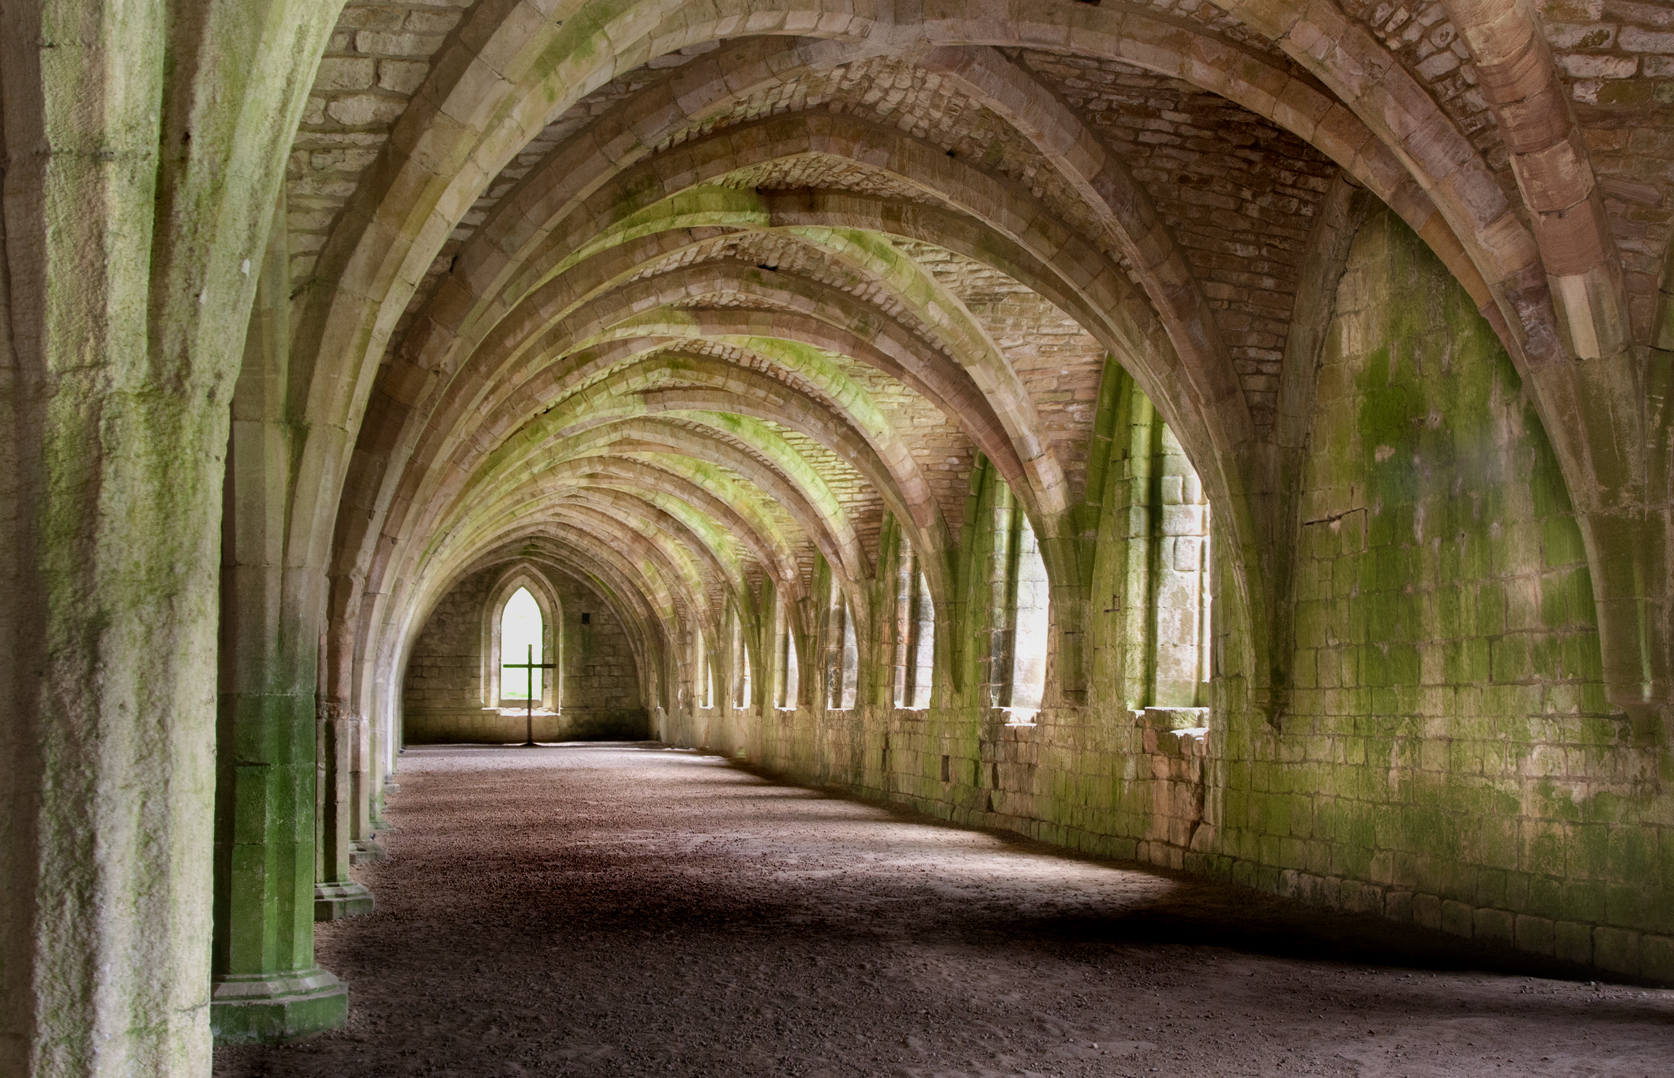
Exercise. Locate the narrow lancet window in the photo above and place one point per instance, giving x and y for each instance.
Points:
(787, 672)
(1205, 635)
(1031, 616)
(740, 665)
(915, 633)
(1021, 611)
(704, 675)
(851, 663)
(842, 654)
(1180, 581)
(922, 666)
(520, 646)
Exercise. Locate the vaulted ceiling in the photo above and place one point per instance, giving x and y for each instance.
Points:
(691, 295)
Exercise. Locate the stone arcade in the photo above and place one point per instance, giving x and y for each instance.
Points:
(1233, 436)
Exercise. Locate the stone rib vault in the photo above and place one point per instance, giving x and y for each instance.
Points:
(1230, 435)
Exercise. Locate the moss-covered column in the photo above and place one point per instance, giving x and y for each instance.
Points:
(1123, 639)
(266, 985)
(144, 144)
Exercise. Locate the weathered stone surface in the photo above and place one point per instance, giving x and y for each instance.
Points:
(265, 1009)
(447, 694)
(729, 313)
(143, 152)
(264, 981)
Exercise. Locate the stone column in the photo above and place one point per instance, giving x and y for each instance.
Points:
(336, 895)
(123, 304)
(109, 498)
(1122, 567)
(381, 780)
(351, 792)
(341, 736)
(363, 840)
(265, 983)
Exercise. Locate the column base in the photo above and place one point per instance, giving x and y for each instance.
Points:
(346, 898)
(366, 849)
(263, 1008)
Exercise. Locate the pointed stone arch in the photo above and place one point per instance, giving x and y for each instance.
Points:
(519, 575)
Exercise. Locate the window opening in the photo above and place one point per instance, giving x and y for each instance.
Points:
(1020, 598)
(787, 673)
(740, 664)
(705, 675)
(923, 665)
(1180, 593)
(1205, 640)
(915, 633)
(851, 661)
(842, 654)
(520, 642)
(1032, 619)
(1000, 599)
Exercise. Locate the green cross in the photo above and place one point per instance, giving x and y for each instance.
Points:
(529, 693)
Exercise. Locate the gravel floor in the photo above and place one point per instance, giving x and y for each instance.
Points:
(635, 910)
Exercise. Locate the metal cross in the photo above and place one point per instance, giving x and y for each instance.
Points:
(529, 692)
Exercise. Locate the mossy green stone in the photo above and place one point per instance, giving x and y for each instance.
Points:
(258, 1010)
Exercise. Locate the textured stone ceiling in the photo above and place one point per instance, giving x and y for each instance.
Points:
(838, 272)
(755, 317)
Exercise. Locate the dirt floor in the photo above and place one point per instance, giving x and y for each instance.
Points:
(635, 910)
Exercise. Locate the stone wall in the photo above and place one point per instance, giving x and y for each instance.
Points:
(444, 698)
(1448, 754)
(444, 673)
(1444, 756)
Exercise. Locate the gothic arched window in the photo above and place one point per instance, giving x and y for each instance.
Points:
(703, 674)
(842, 654)
(740, 664)
(915, 633)
(1021, 598)
(520, 625)
(521, 643)
(787, 671)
